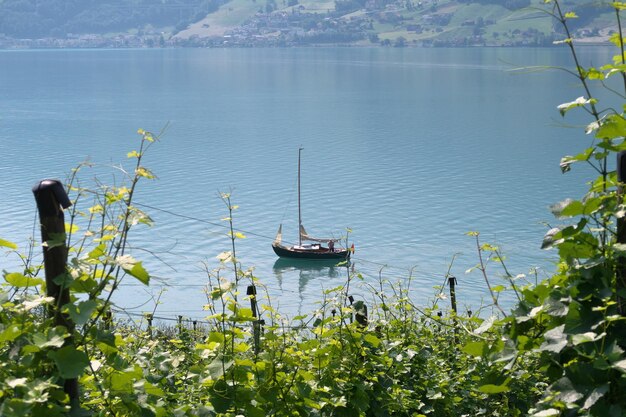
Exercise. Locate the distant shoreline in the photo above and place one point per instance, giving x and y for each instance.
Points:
(61, 44)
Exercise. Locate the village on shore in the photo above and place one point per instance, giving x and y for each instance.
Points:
(379, 23)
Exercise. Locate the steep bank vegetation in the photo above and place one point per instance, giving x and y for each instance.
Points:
(559, 352)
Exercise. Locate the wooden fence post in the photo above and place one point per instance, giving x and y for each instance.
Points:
(51, 199)
(256, 324)
(452, 282)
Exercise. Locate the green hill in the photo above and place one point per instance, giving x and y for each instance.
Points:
(389, 22)
(296, 22)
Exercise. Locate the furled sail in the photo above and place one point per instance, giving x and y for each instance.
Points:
(279, 235)
(305, 236)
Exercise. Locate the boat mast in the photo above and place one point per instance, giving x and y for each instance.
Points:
(299, 209)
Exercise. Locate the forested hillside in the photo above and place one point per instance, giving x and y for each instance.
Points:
(57, 18)
(146, 23)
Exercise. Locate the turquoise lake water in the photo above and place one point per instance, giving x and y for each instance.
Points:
(410, 148)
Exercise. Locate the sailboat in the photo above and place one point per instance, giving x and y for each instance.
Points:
(314, 250)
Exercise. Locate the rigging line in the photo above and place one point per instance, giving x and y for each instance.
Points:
(199, 320)
(271, 238)
(184, 216)
(202, 286)
(272, 288)
(143, 315)
(173, 311)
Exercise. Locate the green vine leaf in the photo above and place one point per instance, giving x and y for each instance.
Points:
(56, 239)
(619, 5)
(620, 248)
(121, 382)
(21, 281)
(493, 389)
(55, 337)
(550, 412)
(145, 173)
(620, 366)
(567, 161)
(555, 340)
(70, 362)
(7, 244)
(613, 126)
(551, 238)
(594, 74)
(10, 333)
(133, 268)
(579, 102)
(30, 304)
(563, 41)
(486, 325)
(595, 395)
(82, 311)
(475, 348)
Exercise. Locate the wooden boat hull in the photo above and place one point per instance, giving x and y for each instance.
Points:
(322, 253)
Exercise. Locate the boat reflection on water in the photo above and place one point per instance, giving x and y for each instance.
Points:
(332, 270)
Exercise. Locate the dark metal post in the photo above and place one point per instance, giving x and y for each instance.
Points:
(620, 282)
(108, 320)
(149, 318)
(51, 199)
(256, 324)
(180, 325)
(251, 291)
(452, 282)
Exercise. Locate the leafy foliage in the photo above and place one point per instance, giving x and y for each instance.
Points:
(573, 323)
(560, 352)
(340, 361)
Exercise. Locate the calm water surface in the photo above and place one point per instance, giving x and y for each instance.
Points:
(410, 148)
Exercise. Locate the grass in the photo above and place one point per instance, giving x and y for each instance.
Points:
(318, 6)
(228, 16)
(470, 12)
(236, 12)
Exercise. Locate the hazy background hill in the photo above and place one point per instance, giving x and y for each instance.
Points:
(292, 22)
(57, 18)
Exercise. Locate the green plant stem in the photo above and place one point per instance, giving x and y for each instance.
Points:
(483, 269)
(621, 43)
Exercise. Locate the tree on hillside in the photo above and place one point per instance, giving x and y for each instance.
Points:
(33, 19)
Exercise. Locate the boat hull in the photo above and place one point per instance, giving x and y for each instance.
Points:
(322, 253)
